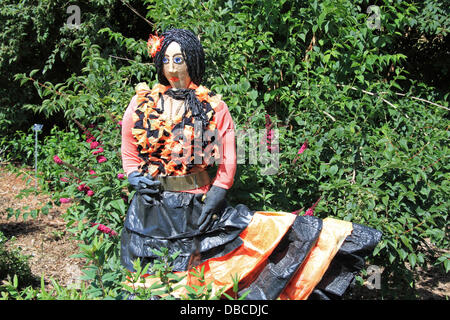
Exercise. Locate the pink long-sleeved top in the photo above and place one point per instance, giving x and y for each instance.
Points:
(227, 167)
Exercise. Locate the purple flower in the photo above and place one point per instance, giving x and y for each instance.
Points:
(57, 160)
(269, 136)
(268, 121)
(65, 200)
(120, 176)
(101, 159)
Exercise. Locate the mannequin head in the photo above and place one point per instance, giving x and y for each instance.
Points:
(175, 68)
(181, 51)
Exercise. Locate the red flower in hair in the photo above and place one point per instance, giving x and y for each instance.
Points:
(154, 44)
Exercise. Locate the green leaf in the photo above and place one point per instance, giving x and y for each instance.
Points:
(412, 258)
(333, 170)
(406, 242)
(385, 200)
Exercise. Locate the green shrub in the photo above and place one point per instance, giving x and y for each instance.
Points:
(14, 263)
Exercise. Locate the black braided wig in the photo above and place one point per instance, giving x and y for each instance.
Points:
(192, 51)
(194, 56)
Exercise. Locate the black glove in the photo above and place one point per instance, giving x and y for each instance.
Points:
(213, 203)
(146, 186)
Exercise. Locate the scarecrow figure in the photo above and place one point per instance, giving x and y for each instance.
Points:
(172, 136)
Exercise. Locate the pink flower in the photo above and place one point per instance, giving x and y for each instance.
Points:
(268, 121)
(269, 135)
(64, 179)
(104, 229)
(120, 176)
(90, 138)
(310, 211)
(84, 188)
(57, 160)
(120, 122)
(91, 172)
(94, 144)
(101, 159)
(303, 148)
(99, 150)
(65, 200)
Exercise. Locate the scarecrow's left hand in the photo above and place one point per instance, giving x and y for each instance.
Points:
(213, 203)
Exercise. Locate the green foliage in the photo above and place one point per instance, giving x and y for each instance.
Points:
(377, 134)
(35, 36)
(14, 263)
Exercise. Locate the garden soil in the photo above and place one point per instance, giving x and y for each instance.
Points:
(50, 246)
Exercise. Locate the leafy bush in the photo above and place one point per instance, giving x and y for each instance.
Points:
(14, 263)
(36, 35)
(374, 138)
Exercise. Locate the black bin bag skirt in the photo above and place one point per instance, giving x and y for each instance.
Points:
(171, 222)
(275, 254)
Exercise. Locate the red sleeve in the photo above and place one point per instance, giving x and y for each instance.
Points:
(227, 167)
(130, 159)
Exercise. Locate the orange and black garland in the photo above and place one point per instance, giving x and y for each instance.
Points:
(167, 147)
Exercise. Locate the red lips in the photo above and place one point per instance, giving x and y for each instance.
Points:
(174, 79)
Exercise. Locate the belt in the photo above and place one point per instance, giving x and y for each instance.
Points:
(186, 182)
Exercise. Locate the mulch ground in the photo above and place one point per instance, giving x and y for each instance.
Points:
(44, 238)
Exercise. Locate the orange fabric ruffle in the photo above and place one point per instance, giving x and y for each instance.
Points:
(160, 148)
(260, 238)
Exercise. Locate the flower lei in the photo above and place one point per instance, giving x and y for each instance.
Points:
(157, 140)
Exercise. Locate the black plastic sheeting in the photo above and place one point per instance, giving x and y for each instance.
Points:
(290, 254)
(286, 259)
(349, 260)
(171, 222)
